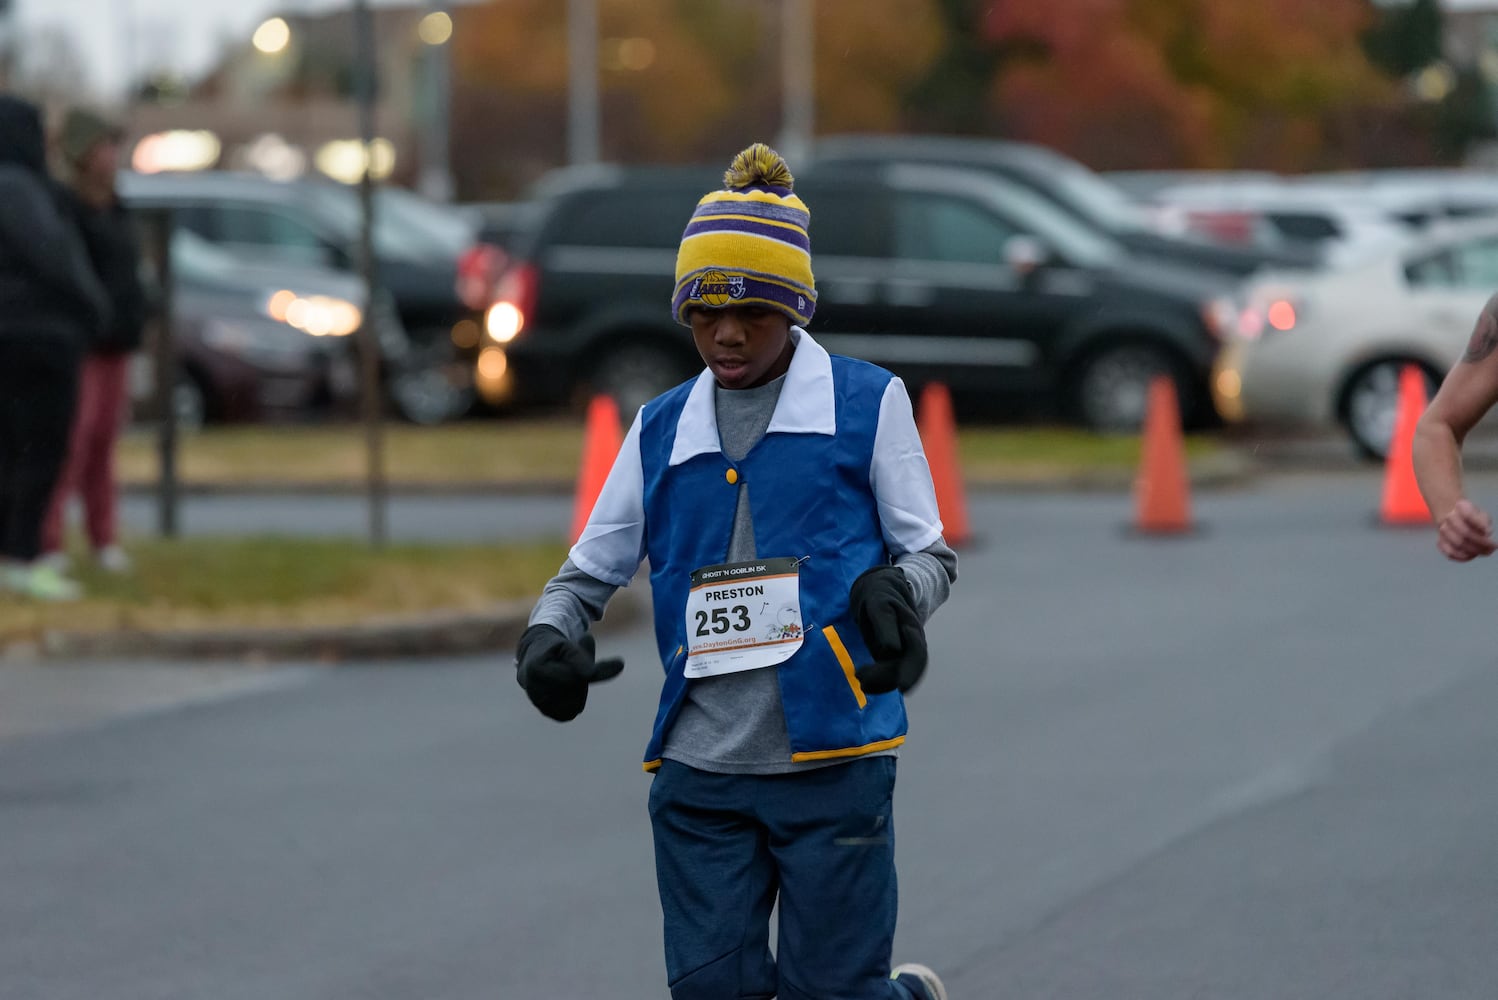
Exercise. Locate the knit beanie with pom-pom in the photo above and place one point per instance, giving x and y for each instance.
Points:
(747, 245)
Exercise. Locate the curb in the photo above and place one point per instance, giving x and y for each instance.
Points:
(392, 640)
(1218, 472)
(273, 487)
(1223, 472)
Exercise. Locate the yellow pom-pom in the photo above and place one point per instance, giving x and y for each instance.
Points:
(758, 165)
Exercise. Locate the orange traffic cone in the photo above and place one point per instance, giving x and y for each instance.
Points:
(938, 430)
(602, 436)
(1402, 503)
(1162, 497)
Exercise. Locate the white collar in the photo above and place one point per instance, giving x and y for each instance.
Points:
(806, 405)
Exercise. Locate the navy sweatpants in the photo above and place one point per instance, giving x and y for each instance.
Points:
(823, 840)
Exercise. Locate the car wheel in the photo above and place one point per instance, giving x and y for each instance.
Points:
(634, 374)
(1110, 388)
(1370, 405)
(431, 387)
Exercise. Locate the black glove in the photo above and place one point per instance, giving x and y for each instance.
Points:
(556, 672)
(883, 605)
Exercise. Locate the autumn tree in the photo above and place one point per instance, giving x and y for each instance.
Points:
(950, 94)
(1406, 39)
(1283, 84)
(1143, 83)
(680, 80)
(868, 64)
(1097, 86)
(1403, 38)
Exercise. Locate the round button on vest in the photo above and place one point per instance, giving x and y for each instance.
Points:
(732, 476)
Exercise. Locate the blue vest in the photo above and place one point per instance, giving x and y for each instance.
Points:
(810, 499)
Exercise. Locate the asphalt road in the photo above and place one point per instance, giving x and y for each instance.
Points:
(1252, 764)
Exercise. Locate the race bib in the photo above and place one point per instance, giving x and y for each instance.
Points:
(743, 616)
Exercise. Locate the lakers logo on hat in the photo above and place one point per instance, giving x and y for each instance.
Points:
(716, 289)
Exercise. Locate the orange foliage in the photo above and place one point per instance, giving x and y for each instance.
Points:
(1118, 83)
(519, 44)
(713, 67)
(866, 62)
(669, 72)
(1186, 82)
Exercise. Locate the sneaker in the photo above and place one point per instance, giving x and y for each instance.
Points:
(59, 561)
(113, 559)
(921, 981)
(41, 582)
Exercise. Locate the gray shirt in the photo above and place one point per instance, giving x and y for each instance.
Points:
(734, 723)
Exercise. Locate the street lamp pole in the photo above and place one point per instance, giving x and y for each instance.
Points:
(125, 21)
(9, 28)
(436, 153)
(582, 81)
(798, 73)
(369, 342)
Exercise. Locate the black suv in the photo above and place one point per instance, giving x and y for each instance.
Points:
(938, 274)
(1068, 185)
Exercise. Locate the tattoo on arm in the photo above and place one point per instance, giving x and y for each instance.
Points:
(1484, 338)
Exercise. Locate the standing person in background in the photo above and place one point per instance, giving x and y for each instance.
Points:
(89, 147)
(51, 306)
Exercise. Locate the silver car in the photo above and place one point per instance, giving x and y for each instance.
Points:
(1325, 349)
(314, 225)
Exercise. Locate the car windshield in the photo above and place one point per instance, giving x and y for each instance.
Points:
(1078, 243)
(1096, 197)
(196, 260)
(407, 226)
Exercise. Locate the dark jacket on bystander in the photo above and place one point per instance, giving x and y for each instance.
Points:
(48, 288)
(110, 239)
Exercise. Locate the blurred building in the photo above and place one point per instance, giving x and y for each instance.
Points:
(1470, 66)
(283, 101)
(1471, 33)
(279, 97)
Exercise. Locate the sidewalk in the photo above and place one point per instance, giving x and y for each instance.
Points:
(437, 634)
(391, 639)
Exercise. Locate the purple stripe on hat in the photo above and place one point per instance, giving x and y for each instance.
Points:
(794, 237)
(758, 209)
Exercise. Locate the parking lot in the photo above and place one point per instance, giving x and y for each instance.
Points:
(328, 317)
(1245, 764)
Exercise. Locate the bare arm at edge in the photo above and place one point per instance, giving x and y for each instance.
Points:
(1469, 391)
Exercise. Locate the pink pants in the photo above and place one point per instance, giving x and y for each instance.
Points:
(90, 466)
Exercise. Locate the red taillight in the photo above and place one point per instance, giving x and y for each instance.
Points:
(479, 271)
(1223, 226)
(1282, 315)
(514, 302)
(520, 286)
